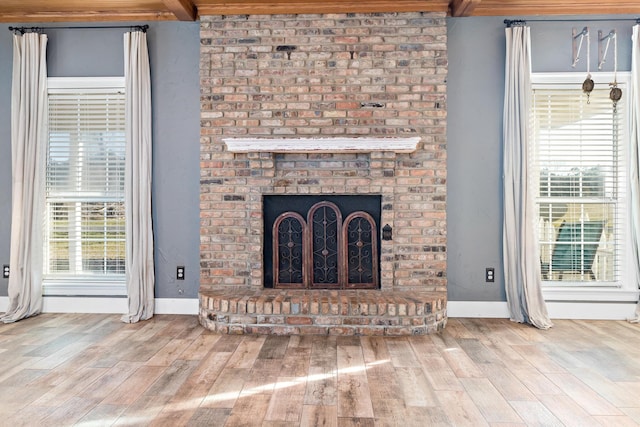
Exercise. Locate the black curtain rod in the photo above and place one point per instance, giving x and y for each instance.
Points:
(512, 22)
(23, 30)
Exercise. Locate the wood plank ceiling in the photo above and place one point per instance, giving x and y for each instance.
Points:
(23, 11)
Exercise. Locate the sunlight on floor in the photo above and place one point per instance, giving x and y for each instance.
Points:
(230, 395)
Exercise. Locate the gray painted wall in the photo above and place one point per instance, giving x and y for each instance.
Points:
(474, 136)
(174, 55)
(475, 92)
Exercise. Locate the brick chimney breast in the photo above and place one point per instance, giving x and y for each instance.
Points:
(317, 77)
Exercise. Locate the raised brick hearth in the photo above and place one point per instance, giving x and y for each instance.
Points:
(322, 312)
(342, 79)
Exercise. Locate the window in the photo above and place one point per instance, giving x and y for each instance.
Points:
(578, 155)
(85, 221)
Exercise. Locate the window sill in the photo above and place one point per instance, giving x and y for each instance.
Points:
(563, 293)
(88, 286)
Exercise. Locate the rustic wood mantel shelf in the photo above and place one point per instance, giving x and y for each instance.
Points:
(322, 145)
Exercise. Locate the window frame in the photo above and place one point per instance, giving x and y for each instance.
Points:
(623, 289)
(87, 285)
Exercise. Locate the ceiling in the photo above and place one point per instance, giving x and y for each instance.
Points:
(19, 11)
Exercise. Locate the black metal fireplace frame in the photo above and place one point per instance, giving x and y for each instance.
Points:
(358, 211)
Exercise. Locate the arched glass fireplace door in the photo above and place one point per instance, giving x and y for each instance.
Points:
(323, 251)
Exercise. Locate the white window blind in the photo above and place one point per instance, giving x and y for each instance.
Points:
(579, 163)
(85, 222)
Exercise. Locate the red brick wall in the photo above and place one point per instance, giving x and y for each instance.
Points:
(351, 75)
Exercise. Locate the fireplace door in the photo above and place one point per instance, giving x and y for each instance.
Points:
(323, 251)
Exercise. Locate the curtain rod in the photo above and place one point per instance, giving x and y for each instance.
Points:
(23, 30)
(512, 22)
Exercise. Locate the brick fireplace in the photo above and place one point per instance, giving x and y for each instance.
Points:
(323, 105)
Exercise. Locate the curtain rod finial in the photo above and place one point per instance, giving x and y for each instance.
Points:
(514, 22)
(23, 30)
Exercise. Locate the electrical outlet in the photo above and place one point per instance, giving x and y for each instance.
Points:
(489, 274)
(180, 272)
(5, 271)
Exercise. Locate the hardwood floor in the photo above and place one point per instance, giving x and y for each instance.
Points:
(93, 370)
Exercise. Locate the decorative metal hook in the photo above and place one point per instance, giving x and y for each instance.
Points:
(615, 94)
(602, 52)
(577, 46)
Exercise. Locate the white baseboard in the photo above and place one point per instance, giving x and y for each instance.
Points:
(109, 305)
(477, 309)
(177, 306)
(487, 309)
(557, 310)
(591, 311)
(84, 305)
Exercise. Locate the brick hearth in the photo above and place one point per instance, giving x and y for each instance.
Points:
(290, 312)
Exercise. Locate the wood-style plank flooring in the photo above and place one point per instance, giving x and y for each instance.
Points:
(93, 370)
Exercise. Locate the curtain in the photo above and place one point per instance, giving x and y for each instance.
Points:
(28, 148)
(140, 265)
(634, 158)
(520, 246)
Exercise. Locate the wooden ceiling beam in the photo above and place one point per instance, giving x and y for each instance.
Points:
(28, 11)
(184, 10)
(554, 7)
(105, 16)
(459, 8)
(261, 7)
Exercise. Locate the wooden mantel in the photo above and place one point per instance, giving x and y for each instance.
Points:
(322, 145)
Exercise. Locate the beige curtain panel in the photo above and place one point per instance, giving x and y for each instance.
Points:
(634, 159)
(28, 148)
(140, 265)
(520, 248)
